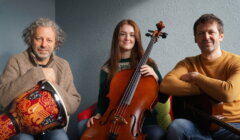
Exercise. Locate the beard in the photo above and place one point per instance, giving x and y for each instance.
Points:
(40, 56)
(207, 48)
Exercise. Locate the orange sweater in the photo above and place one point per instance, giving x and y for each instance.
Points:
(219, 79)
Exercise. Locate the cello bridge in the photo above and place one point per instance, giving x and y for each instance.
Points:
(119, 120)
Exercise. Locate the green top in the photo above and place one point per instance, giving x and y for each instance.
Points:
(151, 117)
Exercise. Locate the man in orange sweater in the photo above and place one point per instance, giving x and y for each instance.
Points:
(215, 73)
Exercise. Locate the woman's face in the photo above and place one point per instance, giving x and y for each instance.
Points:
(126, 39)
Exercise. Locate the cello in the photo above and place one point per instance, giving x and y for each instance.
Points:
(124, 116)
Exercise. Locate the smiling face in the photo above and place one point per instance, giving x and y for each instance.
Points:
(208, 37)
(43, 44)
(126, 40)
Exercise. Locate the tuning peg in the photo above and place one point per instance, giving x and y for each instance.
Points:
(148, 34)
(150, 31)
(164, 35)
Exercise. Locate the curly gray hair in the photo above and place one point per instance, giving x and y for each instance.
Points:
(28, 33)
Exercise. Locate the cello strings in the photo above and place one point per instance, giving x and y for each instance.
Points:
(137, 73)
(123, 104)
(121, 110)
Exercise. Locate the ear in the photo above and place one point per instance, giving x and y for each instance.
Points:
(221, 36)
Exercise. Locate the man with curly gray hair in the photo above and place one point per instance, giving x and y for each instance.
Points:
(28, 33)
(39, 63)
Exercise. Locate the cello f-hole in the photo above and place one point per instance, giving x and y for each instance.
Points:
(134, 126)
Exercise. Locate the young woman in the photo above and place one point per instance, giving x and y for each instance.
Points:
(126, 52)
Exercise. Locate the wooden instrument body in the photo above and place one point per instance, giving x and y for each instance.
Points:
(130, 95)
(192, 107)
(126, 125)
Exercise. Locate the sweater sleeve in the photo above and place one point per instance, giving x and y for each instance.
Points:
(68, 92)
(155, 68)
(222, 90)
(12, 80)
(102, 96)
(172, 85)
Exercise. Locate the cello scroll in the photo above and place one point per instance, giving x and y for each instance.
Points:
(158, 32)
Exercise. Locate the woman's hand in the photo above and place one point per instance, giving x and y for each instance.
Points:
(147, 71)
(90, 122)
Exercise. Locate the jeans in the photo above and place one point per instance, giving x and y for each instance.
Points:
(223, 134)
(153, 132)
(55, 134)
(183, 129)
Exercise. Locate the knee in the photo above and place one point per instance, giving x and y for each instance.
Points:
(178, 128)
(185, 129)
(180, 124)
(22, 136)
(56, 134)
(153, 132)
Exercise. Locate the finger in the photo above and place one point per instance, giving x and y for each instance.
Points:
(97, 117)
(91, 122)
(147, 74)
(150, 70)
(144, 67)
(144, 72)
(88, 123)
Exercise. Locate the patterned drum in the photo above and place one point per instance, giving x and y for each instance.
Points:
(34, 111)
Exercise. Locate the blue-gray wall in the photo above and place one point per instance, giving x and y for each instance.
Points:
(15, 15)
(89, 25)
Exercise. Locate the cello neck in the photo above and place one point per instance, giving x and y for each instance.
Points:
(145, 57)
(130, 90)
(137, 74)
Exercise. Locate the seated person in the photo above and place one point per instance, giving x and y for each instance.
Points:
(214, 73)
(39, 63)
(126, 52)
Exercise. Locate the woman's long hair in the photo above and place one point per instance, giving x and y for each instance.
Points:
(136, 53)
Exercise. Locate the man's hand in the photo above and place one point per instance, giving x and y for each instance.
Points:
(49, 74)
(189, 77)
